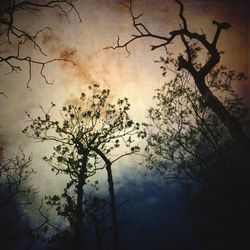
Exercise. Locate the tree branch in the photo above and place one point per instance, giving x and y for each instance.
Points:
(19, 37)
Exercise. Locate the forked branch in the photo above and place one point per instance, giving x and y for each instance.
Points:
(183, 32)
(199, 72)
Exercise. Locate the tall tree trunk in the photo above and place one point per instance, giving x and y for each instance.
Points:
(115, 227)
(230, 122)
(79, 206)
(98, 233)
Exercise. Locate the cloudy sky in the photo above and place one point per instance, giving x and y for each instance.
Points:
(135, 76)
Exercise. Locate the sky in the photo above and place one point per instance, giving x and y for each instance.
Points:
(135, 76)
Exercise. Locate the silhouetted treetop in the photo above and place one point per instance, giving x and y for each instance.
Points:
(93, 121)
(195, 44)
(87, 139)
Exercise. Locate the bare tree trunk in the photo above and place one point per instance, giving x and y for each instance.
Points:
(79, 207)
(115, 228)
(230, 122)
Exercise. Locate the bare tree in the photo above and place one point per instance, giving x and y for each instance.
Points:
(17, 195)
(198, 71)
(14, 174)
(89, 132)
(15, 38)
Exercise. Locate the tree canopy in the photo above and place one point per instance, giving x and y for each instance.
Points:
(198, 64)
(90, 131)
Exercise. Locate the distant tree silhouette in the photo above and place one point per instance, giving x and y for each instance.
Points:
(16, 196)
(14, 38)
(193, 42)
(14, 173)
(61, 240)
(89, 132)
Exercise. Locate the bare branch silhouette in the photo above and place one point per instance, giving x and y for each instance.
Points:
(198, 71)
(13, 35)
